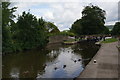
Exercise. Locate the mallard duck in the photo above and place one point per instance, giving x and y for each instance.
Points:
(64, 66)
(79, 59)
(55, 68)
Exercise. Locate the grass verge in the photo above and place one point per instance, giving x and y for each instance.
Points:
(110, 40)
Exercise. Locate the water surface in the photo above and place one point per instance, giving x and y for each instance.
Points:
(56, 61)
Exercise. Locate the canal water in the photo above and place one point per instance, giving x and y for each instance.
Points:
(56, 61)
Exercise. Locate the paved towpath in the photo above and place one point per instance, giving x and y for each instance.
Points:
(107, 63)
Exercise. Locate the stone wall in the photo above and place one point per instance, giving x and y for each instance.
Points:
(57, 39)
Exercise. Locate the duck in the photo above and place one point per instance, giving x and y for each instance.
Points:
(79, 59)
(64, 66)
(75, 60)
(55, 68)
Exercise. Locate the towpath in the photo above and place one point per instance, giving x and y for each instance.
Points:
(107, 63)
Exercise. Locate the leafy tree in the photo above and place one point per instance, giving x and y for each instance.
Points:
(116, 29)
(106, 30)
(76, 27)
(67, 33)
(51, 28)
(30, 32)
(42, 36)
(92, 21)
(7, 16)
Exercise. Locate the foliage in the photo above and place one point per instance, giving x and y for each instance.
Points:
(92, 22)
(67, 33)
(106, 30)
(116, 29)
(110, 27)
(51, 28)
(30, 32)
(7, 16)
(77, 27)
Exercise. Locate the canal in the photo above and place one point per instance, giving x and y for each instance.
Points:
(55, 61)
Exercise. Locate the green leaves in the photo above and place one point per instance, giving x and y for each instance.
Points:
(27, 33)
(7, 16)
(30, 31)
(92, 21)
(51, 28)
(77, 27)
(116, 29)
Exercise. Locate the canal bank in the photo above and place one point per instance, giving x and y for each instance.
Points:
(106, 65)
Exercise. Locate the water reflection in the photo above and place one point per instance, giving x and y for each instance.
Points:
(14, 73)
(56, 61)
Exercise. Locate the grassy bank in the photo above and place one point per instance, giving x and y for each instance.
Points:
(110, 40)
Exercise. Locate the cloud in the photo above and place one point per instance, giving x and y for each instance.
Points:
(64, 0)
(49, 15)
(111, 22)
(63, 12)
(111, 9)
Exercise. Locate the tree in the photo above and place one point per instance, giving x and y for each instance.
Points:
(67, 33)
(106, 30)
(30, 32)
(51, 28)
(92, 21)
(116, 29)
(76, 27)
(7, 16)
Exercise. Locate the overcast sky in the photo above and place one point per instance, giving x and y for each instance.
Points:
(64, 12)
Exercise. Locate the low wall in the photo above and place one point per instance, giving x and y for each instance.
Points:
(57, 39)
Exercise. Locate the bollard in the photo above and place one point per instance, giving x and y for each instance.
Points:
(95, 61)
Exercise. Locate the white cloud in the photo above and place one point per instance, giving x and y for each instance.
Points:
(65, 0)
(111, 22)
(63, 12)
(111, 9)
(49, 15)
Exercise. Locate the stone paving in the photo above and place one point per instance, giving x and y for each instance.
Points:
(106, 65)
